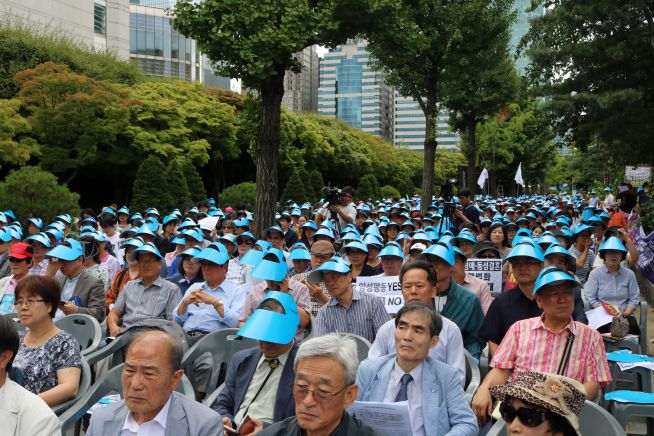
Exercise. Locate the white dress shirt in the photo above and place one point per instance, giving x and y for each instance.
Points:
(414, 395)
(156, 427)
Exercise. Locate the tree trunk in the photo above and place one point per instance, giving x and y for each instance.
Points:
(429, 158)
(471, 127)
(272, 91)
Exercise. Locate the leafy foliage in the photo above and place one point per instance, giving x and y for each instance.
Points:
(368, 187)
(16, 148)
(295, 189)
(30, 191)
(194, 182)
(241, 196)
(151, 187)
(25, 46)
(316, 183)
(390, 192)
(594, 61)
(176, 181)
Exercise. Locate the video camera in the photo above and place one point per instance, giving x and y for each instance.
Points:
(446, 192)
(332, 195)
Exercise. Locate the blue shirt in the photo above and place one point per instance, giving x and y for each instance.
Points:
(619, 289)
(204, 317)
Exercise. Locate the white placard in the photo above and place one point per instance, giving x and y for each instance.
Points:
(386, 287)
(598, 317)
(489, 270)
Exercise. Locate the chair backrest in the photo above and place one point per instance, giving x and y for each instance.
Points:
(473, 377)
(363, 346)
(644, 343)
(13, 316)
(593, 421)
(84, 328)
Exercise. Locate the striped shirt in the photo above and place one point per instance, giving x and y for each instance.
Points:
(137, 302)
(583, 271)
(530, 346)
(236, 271)
(364, 317)
(315, 303)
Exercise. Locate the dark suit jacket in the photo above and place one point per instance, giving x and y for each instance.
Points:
(90, 290)
(239, 375)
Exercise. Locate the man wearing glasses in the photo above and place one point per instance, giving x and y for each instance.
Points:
(321, 252)
(324, 387)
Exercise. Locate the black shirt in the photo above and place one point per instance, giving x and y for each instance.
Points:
(367, 271)
(349, 426)
(512, 306)
(471, 212)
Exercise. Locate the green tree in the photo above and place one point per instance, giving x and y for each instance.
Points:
(256, 42)
(150, 187)
(316, 183)
(31, 191)
(368, 187)
(295, 189)
(594, 60)
(390, 192)
(416, 42)
(72, 115)
(240, 197)
(16, 147)
(177, 187)
(194, 182)
(482, 80)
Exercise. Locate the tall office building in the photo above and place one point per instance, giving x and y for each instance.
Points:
(409, 126)
(521, 27)
(101, 24)
(353, 92)
(301, 89)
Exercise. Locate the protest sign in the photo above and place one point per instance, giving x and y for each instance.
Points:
(387, 288)
(637, 175)
(489, 270)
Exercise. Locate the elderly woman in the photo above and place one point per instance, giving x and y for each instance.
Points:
(189, 272)
(20, 260)
(48, 362)
(614, 284)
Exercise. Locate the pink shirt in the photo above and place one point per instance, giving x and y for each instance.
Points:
(530, 346)
(256, 295)
(481, 290)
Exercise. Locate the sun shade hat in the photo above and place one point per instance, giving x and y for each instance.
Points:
(554, 393)
(391, 250)
(299, 254)
(613, 243)
(558, 249)
(335, 264)
(147, 247)
(526, 249)
(69, 250)
(215, 254)
(552, 276)
(269, 326)
(356, 245)
(272, 266)
(41, 238)
(441, 250)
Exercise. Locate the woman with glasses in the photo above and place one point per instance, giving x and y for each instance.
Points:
(539, 404)
(20, 260)
(227, 227)
(235, 270)
(48, 362)
(41, 244)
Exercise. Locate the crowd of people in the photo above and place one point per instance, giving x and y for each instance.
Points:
(202, 269)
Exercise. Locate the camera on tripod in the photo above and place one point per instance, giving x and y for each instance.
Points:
(446, 192)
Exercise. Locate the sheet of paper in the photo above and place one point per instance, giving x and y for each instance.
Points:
(386, 418)
(598, 317)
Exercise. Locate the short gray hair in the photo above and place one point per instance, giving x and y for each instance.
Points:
(334, 345)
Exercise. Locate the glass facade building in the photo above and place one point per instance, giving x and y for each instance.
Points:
(521, 27)
(409, 126)
(353, 92)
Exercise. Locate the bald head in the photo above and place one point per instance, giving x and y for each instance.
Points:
(160, 340)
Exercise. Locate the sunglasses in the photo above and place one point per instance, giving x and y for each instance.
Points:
(247, 242)
(16, 260)
(529, 416)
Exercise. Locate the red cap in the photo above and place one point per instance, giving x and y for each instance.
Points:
(21, 250)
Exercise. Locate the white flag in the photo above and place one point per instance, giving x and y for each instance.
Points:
(481, 181)
(518, 176)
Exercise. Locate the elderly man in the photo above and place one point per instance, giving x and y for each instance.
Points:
(258, 382)
(147, 297)
(551, 343)
(21, 412)
(391, 260)
(153, 368)
(324, 387)
(321, 252)
(81, 292)
(418, 280)
(437, 403)
(454, 301)
(347, 311)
